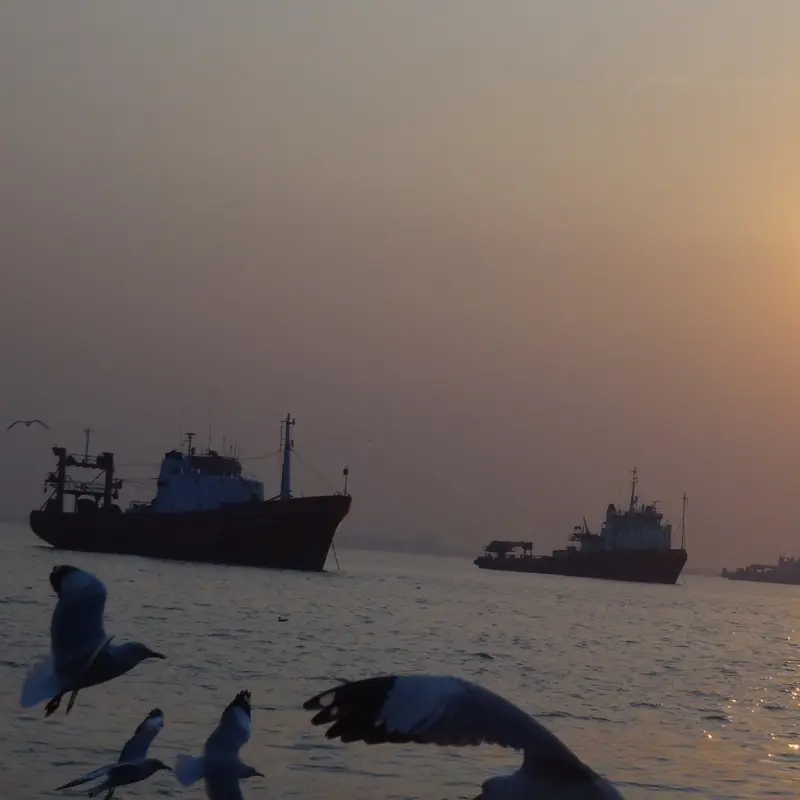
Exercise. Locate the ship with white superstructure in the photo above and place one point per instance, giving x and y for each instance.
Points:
(633, 544)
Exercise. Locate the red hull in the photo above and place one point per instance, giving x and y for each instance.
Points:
(279, 534)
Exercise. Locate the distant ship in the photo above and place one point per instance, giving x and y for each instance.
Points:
(632, 545)
(205, 509)
(787, 570)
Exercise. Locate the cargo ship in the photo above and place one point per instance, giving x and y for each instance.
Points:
(787, 570)
(633, 544)
(205, 509)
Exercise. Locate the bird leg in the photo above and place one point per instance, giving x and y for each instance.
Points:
(84, 679)
(72, 699)
(53, 705)
(110, 794)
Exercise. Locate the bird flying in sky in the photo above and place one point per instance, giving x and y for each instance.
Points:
(27, 423)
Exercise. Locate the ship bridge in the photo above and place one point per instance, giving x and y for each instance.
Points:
(639, 527)
(193, 482)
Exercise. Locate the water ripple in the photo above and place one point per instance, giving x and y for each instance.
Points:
(688, 691)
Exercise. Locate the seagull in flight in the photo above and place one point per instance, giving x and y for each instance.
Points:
(27, 423)
(133, 765)
(220, 764)
(81, 653)
(445, 710)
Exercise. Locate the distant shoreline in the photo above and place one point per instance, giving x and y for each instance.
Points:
(706, 572)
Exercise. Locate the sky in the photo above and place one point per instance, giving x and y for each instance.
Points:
(490, 255)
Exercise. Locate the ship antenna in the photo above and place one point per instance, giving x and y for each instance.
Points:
(286, 469)
(683, 522)
(180, 426)
(88, 431)
(634, 481)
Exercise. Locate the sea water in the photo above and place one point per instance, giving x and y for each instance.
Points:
(681, 691)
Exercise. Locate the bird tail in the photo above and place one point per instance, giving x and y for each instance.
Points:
(90, 776)
(189, 770)
(40, 683)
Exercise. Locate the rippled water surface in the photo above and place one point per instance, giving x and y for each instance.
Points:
(682, 691)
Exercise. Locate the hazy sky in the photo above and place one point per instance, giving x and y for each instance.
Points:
(492, 254)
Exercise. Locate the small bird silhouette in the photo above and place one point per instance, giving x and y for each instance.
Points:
(27, 423)
(133, 765)
(220, 765)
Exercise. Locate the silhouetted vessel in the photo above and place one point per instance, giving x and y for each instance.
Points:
(787, 570)
(632, 545)
(205, 509)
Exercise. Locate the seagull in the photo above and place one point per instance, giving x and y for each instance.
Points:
(220, 764)
(445, 710)
(81, 654)
(133, 765)
(27, 423)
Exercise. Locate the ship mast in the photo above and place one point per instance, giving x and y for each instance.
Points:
(634, 481)
(288, 445)
(683, 522)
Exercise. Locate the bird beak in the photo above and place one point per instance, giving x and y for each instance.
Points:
(153, 654)
(260, 774)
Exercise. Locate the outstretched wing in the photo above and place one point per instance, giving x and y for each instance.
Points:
(444, 711)
(232, 732)
(27, 423)
(77, 631)
(101, 772)
(136, 747)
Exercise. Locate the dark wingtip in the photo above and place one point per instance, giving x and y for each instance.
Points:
(57, 575)
(314, 703)
(353, 709)
(242, 700)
